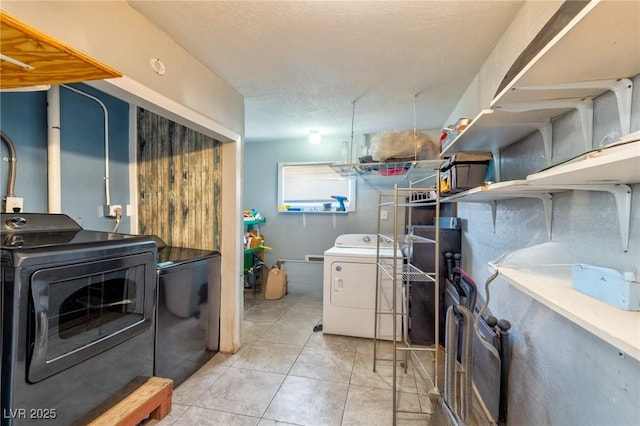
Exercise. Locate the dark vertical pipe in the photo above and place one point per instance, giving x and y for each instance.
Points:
(11, 184)
(503, 327)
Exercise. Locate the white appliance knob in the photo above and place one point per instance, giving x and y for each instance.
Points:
(366, 238)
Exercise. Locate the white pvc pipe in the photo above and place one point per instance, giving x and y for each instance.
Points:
(106, 139)
(54, 181)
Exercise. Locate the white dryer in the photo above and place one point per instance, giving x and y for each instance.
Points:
(349, 281)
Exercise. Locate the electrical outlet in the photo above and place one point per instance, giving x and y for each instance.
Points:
(384, 214)
(13, 204)
(111, 210)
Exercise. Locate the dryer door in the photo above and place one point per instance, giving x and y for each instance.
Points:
(353, 285)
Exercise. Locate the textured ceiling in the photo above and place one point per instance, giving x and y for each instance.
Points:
(301, 64)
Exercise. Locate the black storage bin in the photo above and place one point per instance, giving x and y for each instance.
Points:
(464, 170)
(421, 297)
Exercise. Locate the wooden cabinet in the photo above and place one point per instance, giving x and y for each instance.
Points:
(31, 58)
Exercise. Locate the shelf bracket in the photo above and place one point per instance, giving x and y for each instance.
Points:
(621, 87)
(583, 106)
(547, 139)
(496, 166)
(623, 91)
(622, 195)
(494, 208)
(547, 204)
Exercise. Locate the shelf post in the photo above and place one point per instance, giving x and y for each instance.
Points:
(494, 213)
(547, 205)
(496, 164)
(547, 139)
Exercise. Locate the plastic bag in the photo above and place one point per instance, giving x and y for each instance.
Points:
(389, 145)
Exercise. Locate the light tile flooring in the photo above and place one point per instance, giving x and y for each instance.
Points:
(288, 374)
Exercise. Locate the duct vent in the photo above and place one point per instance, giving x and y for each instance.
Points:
(314, 258)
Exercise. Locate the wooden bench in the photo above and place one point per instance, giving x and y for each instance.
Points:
(145, 397)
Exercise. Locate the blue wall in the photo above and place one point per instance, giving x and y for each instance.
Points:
(23, 116)
(293, 235)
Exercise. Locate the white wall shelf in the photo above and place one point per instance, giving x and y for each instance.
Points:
(598, 44)
(494, 129)
(617, 164)
(491, 194)
(552, 287)
(494, 192)
(597, 41)
(608, 170)
(582, 90)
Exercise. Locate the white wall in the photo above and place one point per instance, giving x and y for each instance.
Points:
(294, 235)
(525, 26)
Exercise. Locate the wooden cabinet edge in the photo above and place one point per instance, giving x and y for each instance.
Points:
(54, 63)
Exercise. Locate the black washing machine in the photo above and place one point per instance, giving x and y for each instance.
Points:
(77, 316)
(188, 311)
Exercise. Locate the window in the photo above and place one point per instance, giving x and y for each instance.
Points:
(309, 187)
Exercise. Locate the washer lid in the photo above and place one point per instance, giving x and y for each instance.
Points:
(171, 256)
(36, 222)
(361, 252)
(362, 241)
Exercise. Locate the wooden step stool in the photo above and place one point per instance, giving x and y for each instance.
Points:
(150, 398)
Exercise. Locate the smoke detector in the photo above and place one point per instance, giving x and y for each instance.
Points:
(157, 66)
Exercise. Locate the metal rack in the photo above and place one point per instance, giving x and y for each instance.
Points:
(402, 275)
(386, 174)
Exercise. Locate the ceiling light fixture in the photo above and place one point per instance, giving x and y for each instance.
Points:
(314, 137)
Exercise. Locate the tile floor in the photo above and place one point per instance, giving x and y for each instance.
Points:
(286, 373)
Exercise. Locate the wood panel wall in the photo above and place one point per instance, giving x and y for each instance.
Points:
(179, 183)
